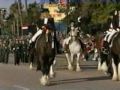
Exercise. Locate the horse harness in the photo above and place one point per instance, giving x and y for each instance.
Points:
(112, 38)
(106, 49)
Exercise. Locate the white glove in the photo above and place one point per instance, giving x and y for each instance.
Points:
(79, 19)
(30, 41)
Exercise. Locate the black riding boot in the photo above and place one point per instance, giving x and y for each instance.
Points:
(31, 45)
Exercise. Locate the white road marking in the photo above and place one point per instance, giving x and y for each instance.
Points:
(21, 87)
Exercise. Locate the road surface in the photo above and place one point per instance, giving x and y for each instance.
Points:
(22, 78)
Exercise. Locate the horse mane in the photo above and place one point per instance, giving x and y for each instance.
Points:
(42, 39)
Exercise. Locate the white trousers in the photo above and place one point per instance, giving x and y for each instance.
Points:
(35, 36)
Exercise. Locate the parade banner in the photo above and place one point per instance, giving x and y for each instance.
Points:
(53, 8)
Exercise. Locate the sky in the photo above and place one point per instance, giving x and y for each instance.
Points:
(7, 3)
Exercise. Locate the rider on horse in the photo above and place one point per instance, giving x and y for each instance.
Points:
(113, 25)
(71, 27)
(45, 21)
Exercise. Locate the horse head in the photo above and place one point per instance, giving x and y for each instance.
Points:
(74, 33)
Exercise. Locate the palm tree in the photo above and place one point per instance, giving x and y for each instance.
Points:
(19, 4)
(15, 10)
(10, 23)
(26, 7)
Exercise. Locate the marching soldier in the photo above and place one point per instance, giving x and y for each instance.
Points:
(3, 52)
(17, 52)
(6, 52)
(20, 50)
(24, 52)
(0, 50)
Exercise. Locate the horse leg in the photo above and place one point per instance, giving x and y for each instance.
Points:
(31, 62)
(78, 63)
(44, 79)
(39, 62)
(31, 66)
(114, 70)
(72, 58)
(51, 72)
(95, 55)
(69, 62)
(103, 66)
(70, 67)
(99, 63)
(119, 71)
(31, 59)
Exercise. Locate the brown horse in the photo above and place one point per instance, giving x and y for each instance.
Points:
(98, 41)
(45, 54)
(112, 55)
(115, 52)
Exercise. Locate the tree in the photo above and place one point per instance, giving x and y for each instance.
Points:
(94, 13)
(16, 11)
(33, 12)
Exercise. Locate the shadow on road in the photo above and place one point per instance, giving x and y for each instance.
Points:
(84, 67)
(77, 80)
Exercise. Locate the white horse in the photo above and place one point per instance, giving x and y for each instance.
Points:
(73, 49)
